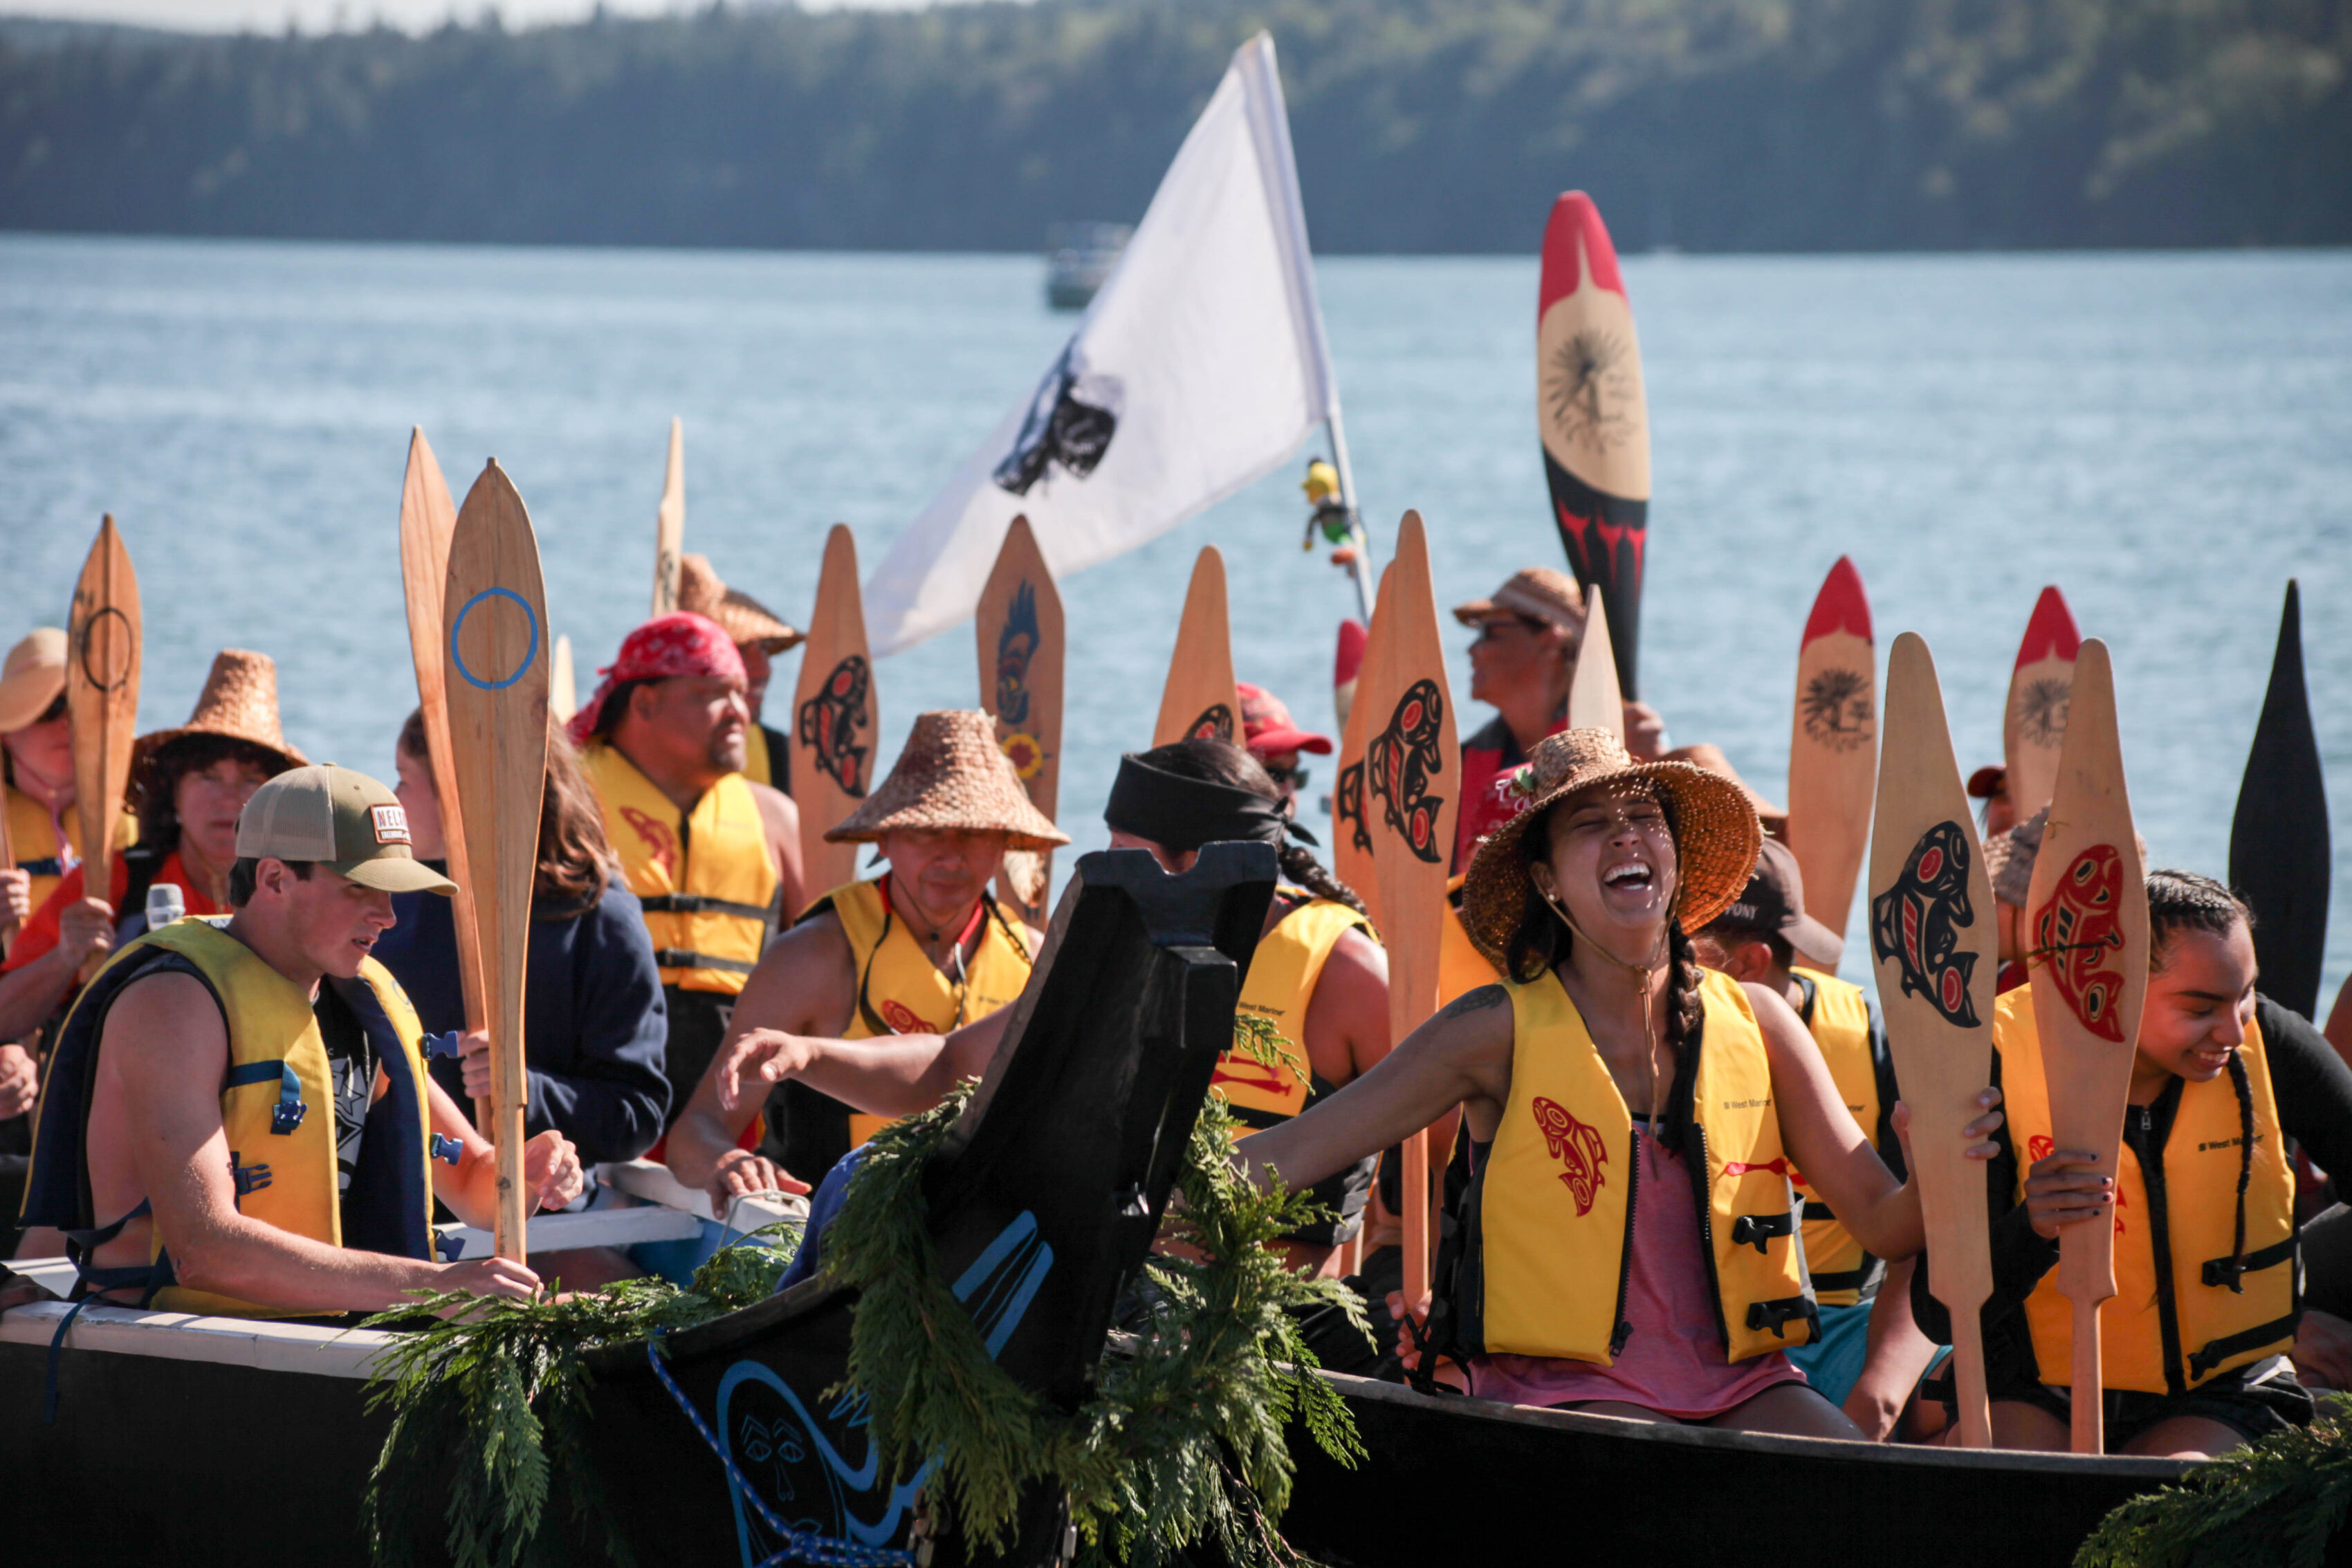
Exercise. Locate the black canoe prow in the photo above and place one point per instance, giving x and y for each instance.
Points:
(1043, 1204)
(2279, 851)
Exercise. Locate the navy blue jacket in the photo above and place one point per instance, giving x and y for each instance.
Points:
(595, 1027)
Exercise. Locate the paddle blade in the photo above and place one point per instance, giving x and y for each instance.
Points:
(1198, 699)
(1352, 835)
(1019, 630)
(1594, 700)
(1594, 417)
(837, 717)
(669, 524)
(2280, 850)
(2034, 724)
(103, 638)
(1933, 940)
(562, 692)
(2086, 944)
(1834, 745)
(1347, 662)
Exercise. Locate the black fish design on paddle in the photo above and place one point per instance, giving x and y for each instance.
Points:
(1214, 722)
(1347, 807)
(1016, 645)
(830, 720)
(1399, 763)
(1917, 923)
(1071, 421)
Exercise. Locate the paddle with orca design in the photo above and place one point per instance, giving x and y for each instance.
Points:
(1934, 936)
(669, 524)
(1594, 699)
(1834, 745)
(1352, 835)
(103, 638)
(2034, 724)
(1019, 630)
(1411, 795)
(495, 610)
(1594, 418)
(427, 518)
(562, 693)
(1199, 698)
(2086, 944)
(836, 718)
(2280, 851)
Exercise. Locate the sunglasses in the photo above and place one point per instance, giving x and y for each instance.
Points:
(1296, 776)
(54, 712)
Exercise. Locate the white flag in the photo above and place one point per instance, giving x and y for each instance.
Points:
(1198, 367)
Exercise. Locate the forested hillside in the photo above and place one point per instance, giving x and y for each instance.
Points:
(1421, 125)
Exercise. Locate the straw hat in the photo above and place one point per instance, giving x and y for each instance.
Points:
(1716, 833)
(1711, 757)
(746, 620)
(33, 678)
(950, 776)
(1540, 592)
(239, 702)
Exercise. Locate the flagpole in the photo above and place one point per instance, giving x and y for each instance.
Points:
(1363, 562)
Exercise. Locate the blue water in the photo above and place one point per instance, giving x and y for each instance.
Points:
(2165, 436)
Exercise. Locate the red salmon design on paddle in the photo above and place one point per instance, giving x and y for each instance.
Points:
(1575, 1145)
(661, 844)
(2078, 932)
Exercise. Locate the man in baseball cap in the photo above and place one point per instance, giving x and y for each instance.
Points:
(1274, 737)
(275, 1073)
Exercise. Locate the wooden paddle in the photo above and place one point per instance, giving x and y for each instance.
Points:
(1347, 662)
(1019, 630)
(1935, 937)
(1199, 698)
(2087, 942)
(1352, 835)
(562, 693)
(1833, 747)
(103, 638)
(1594, 701)
(836, 717)
(427, 518)
(1411, 794)
(2034, 724)
(2280, 851)
(496, 611)
(669, 524)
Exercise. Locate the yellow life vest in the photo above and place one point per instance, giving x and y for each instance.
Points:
(1282, 976)
(1550, 1211)
(278, 1107)
(1843, 1272)
(33, 840)
(902, 991)
(765, 761)
(1461, 968)
(709, 918)
(2183, 1292)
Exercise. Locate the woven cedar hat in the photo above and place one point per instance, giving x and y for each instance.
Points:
(1711, 757)
(951, 776)
(1540, 592)
(239, 702)
(1716, 836)
(744, 617)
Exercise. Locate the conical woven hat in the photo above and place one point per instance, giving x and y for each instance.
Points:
(745, 619)
(239, 702)
(950, 776)
(1716, 836)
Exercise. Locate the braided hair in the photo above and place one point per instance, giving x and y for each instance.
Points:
(2179, 901)
(1219, 762)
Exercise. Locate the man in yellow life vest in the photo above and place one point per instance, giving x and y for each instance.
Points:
(713, 858)
(237, 1119)
(760, 636)
(1869, 1354)
(2198, 1343)
(922, 949)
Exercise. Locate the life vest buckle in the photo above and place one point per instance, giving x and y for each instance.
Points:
(444, 1045)
(1776, 1314)
(249, 1179)
(1757, 1230)
(448, 1151)
(285, 1117)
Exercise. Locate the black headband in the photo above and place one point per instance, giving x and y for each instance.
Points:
(1180, 814)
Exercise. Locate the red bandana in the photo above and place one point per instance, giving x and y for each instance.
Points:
(675, 644)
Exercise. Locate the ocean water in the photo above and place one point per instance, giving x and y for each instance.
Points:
(2166, 436)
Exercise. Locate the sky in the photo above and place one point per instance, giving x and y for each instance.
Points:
(321, 15)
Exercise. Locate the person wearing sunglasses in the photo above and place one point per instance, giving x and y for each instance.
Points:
(1274, 737)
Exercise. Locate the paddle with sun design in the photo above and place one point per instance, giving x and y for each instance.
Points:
(669, 524)
(494, 613)
(1019, 629)
(1934, 938)
(1834, 745)
(2086, 944)
(836, 718)
(1198, 699)
(103, 638)
(2034, 724)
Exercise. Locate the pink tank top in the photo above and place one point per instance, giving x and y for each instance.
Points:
(1675, 1361)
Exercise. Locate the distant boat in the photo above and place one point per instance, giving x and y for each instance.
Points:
(1079, 257)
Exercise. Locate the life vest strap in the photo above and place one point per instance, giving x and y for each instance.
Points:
(1844, 1278)
(696, 903)
(1757, 1230)
(1776, 1314)
(2231, 1272)
(680, 958)
(2217, 1351)
(290, 1110)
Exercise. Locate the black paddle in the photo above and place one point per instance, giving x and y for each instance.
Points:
(2278, 852)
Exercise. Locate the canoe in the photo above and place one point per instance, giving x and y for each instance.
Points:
(207, 1440)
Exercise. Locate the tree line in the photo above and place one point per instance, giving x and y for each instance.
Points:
(1420, 125)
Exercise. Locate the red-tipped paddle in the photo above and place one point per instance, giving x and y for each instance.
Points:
(2033, 725)
(1834, 745)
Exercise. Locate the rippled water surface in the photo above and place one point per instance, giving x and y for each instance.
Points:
(2168, 437)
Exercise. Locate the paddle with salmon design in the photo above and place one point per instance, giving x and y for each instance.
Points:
(2281, 855)
(1594, 417)
(495, 611)
(103, 638)
(1199, 698)
(427, 518)
(1352, 835)
(1934, 940)
(836, 718)
(1594, 698)
(1411, 795)
(2086, 944)
(2033, 724)
(1019, 630)
(1834, 745)
(669, 524)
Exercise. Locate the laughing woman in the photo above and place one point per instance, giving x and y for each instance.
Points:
(1628, 1245)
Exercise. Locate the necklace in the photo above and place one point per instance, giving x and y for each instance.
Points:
(1639, 975)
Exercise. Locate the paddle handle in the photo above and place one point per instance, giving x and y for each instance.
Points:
(2087, 1397)
(1969, 1377)
(1416, 1217)
(502, 1113)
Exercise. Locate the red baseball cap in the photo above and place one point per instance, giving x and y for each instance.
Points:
(1267, 727)
(1987, 781)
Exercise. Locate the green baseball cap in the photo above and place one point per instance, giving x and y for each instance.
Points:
(341, 820)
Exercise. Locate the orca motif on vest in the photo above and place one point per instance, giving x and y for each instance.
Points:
(706, 879)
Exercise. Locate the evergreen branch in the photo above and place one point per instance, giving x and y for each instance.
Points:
(2275, 1503)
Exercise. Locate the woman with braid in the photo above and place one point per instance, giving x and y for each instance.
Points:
(1628, 1241)
(2197, 1344)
